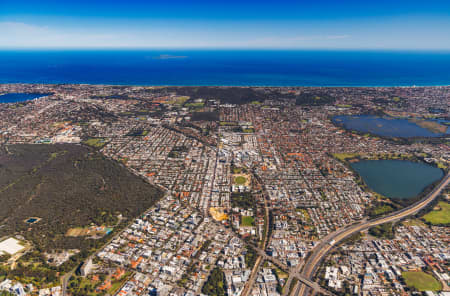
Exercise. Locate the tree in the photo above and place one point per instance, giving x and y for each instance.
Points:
(215, 285)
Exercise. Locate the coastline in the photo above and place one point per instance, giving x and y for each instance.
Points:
(228, 85)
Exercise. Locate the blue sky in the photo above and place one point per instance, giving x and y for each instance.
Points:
(363, 24)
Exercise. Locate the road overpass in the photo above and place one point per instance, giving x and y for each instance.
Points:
(293, 273)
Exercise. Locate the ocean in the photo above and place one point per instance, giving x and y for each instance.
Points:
(226, 67)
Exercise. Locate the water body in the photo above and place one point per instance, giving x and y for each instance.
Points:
(397, 178)
(227, 67)
(386, 126)
(20, 97)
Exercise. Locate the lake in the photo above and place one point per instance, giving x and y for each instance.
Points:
(20, 97)
(397, 178)
(386, 126)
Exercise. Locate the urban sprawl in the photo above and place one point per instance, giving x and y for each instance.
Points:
(252, 190)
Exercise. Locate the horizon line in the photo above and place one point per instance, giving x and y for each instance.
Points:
(232, 85)
(224, 49)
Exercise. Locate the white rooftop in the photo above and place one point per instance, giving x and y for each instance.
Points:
(11, 246)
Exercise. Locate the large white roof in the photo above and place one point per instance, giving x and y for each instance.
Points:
(11, 246)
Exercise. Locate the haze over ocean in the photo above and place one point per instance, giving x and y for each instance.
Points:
(227, 67)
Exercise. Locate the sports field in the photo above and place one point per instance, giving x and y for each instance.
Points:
(439, 216)
(421, 281)
(240, 180)
(247, 221)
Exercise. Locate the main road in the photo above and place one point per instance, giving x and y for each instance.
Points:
(259, 261)
(327, 244)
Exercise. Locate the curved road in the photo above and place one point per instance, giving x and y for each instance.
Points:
(321, 250)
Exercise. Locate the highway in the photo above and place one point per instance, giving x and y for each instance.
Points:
(327, 244)
(262, 256)
(293, 273)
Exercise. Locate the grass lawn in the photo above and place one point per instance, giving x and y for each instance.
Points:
(226, 123)
(240, 180)
(344, 156)
(441, 216)
(115, 286)
(382, 209)
(194, 105)
(441, 165)
(421, 281)
(178, 100)
(95, 142)
(247, 221)
(281, 274)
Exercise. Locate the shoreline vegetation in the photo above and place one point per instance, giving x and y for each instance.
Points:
(355, 157)
(432, 126)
